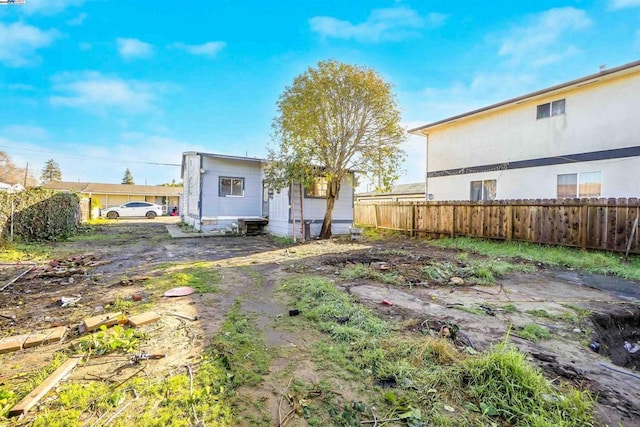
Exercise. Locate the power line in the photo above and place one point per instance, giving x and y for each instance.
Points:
(70, 156)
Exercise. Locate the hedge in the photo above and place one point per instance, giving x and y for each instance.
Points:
(39, 214)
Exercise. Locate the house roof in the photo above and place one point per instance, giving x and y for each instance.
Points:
(98, 188)
(582, 81)
(224, 156)
(397, 190)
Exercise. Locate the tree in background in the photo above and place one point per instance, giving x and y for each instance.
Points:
(50, 172)
(334, 119)
(12, 174)
(128, 178)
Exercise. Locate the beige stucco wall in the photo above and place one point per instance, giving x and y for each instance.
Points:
(598, 116)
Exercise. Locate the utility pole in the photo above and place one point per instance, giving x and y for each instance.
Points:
(26, 172)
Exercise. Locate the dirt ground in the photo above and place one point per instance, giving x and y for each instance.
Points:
(102, 272)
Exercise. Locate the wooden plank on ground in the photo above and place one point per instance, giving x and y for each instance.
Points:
(38, 393)
(143, 319)
(13, 343)
(45, 337)
(107, 319)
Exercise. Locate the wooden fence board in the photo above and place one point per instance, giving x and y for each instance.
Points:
(588, 223)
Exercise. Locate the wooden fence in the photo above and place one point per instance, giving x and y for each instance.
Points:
(606, 224)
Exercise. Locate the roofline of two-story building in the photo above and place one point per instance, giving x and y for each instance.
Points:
(582, 81)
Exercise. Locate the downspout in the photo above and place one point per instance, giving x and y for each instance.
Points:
(426, 170)
(201, 178)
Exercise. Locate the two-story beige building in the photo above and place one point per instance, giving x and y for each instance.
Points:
(576, 139)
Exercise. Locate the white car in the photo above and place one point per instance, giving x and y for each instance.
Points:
(149, 210)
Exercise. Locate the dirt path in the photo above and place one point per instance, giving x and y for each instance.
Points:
(130, 252)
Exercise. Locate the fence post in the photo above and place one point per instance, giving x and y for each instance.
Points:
(509, 215)
(453, 221)
(584, 226)
(413, 220)
(375, 211)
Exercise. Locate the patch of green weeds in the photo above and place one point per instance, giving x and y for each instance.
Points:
(540, 313)
(361, 271)
(580, 311)
(566, 316)
(475, 272)
(16, 251)
(503, 385)
(510, 308)
(534, 333)
(201, 276)
(433, 381)
(591, 261)
(111, 340)
(121, 305)
(282, 240)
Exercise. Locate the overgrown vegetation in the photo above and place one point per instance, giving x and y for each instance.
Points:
(111, 340)
(534, 333)
(38, 214)
(17, 251)
(423, 379)
(591, 261)
(361, 271)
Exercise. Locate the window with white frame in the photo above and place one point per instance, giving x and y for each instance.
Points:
(483, 190)
(231, 187)
(584, 184)
(549, 109)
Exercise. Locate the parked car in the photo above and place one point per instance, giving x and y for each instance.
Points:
(150, 210)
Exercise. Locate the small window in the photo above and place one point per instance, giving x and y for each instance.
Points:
(585, 184)
(231, 187)
(318, 189)
(483, 190)
(549, 109)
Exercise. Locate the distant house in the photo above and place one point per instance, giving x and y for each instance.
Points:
(398, 193)
(11, 188)
(110, 195)
(221, 192)
(576, 139)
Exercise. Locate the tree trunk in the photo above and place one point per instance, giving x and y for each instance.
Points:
(333, 189)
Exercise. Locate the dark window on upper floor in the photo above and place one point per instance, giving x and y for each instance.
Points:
(549, 109)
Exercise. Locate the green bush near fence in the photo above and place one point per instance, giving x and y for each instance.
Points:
(38, 214)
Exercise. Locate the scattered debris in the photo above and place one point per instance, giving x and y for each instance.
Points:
(143, 355)
(182, 291)
(386, 302)
(38, 393)
(595, 346)
(13, 343)
(294, 312)
(19, 342)
(68, 301)
(132, 281)
(143, 319)
(631, 348)
(95, 322)
(380, 265)
(184, 316)
(18, 277)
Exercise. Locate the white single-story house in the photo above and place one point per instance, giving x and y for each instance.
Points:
(576, 139)
(11, 188)
(223, 192)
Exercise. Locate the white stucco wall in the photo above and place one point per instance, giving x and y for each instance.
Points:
(598, 116)
(190, 208)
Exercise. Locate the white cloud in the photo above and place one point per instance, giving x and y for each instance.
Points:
(210, 49)
(95, 91)
(20, 43)
(623, 4)
(392, 24)
(78, 20)
(540, 41)
(133, 48)
(25, 132)
(49, 7)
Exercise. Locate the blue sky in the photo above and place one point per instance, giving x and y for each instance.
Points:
(105, 85)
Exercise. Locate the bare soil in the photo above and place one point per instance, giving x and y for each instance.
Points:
(103, 271)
